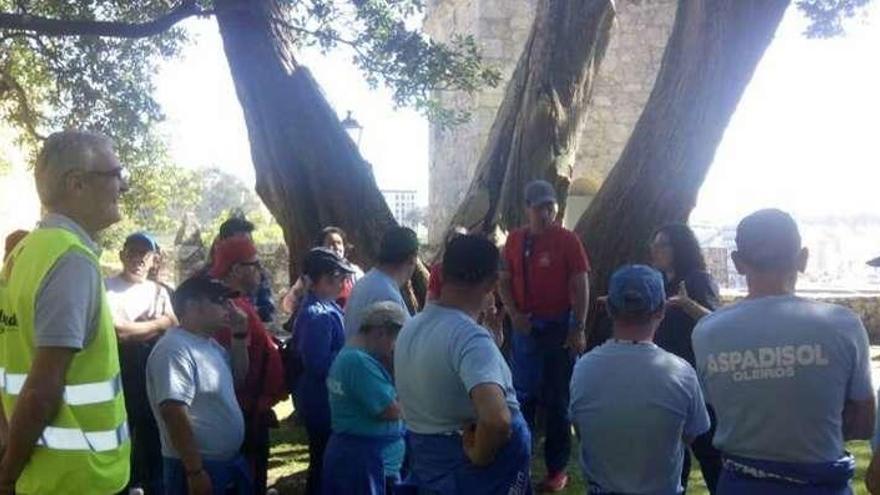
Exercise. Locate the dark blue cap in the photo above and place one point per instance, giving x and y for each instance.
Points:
(320, 261)
(143, 238)
(636, 289)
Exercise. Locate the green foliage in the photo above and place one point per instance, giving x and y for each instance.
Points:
(160, 194)
(106, 84)
(828, 16)
(222, 195)
(103, 84)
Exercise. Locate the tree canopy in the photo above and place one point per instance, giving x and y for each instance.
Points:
(92, 63)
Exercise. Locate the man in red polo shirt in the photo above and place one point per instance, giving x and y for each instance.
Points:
(545, 290)
(235, 264)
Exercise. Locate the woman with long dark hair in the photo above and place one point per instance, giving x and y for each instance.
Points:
(676, 252)
(332, 238)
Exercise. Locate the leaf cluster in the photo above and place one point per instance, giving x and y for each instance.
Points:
(827, 17)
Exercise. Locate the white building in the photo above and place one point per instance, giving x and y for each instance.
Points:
(402, 203)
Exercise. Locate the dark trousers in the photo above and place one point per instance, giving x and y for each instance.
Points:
(255, 448)
(707, 455)
(541, 374)
(318, 439)
(227, 477)
(146, 449)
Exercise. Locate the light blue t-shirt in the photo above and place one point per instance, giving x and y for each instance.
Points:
(374, 287)
(778, 371)
(360, 390)
(440, 356)
(631, 404)
(195, 370)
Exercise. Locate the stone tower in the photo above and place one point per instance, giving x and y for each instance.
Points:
(501, 27)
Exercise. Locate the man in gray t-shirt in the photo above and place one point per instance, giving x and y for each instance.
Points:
(789, 378)
(633, 404)
(397, 260)
(456, 391)
(191, 388)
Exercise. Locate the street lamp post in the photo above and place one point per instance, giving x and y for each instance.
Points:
(354, 128)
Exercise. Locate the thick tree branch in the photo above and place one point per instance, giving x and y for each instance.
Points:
(46, 26)
(26, 114)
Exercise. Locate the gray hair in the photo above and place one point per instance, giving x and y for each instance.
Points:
(62, 153)
(381, 315)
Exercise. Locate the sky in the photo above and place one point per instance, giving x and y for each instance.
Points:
(805, 137)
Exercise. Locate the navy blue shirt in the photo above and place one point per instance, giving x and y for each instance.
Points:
(674, 334)
(319, 336)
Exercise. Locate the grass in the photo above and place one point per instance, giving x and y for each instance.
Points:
(289, 459)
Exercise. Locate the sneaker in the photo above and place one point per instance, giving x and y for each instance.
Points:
(553, 483)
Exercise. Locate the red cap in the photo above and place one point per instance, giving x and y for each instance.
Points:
(229, 252)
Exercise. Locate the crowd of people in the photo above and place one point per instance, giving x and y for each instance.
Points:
(124, 385)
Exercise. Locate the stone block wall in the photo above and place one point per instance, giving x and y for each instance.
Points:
(501, 28)
(625, 80)
(866, 307)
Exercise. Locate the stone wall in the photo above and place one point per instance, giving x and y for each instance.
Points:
(500, 28)
(866, 307)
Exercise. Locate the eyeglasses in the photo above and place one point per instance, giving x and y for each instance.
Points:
(118, 173)
(255, 264)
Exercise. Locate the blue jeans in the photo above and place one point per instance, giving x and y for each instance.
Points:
(542, 369)
(233, 474)
(759, 477)
(353, 465)
(439, 465)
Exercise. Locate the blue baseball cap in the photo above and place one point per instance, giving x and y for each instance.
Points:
(636, 289)
(540, 192)
(142, 238)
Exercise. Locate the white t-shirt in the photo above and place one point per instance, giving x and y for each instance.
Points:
(141, 301)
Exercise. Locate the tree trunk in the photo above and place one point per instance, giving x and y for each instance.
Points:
(712, 53)
(309, 172)
(536, 129)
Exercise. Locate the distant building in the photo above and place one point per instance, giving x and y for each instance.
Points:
(402, 203)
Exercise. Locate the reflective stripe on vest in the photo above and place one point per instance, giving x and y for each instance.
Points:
(74, 395)
(76, 439)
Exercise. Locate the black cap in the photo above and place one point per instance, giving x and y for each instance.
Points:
(768, 240)
(200, 287)
(321, 261)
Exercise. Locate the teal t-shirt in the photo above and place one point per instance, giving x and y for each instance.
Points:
(359, 390)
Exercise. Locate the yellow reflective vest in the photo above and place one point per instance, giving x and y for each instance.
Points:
(85, 448)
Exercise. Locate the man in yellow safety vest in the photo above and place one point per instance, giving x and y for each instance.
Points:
(64, 424)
